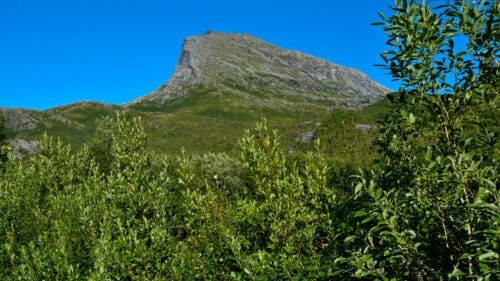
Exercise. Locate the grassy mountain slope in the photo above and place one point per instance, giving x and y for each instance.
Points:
(208, 120)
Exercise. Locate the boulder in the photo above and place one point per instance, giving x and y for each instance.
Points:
(364, 127)
(23, 148)
(309, 137)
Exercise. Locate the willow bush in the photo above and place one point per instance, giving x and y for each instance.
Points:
(64, 216)
(434, 211)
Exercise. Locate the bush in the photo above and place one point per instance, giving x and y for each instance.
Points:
(434, 205)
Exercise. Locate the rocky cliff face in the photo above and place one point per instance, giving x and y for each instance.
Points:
(247, 66)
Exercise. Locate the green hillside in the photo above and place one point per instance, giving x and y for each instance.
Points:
(207, 120)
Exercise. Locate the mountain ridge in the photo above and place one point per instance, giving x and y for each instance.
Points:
(230, 61)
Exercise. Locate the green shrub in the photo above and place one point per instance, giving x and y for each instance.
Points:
(434, 205)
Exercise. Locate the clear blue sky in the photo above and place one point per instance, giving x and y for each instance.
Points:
(55, 52)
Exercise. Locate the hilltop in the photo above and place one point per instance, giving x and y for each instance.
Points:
(254, 69)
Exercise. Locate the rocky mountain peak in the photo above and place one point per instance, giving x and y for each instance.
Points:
(244, 64)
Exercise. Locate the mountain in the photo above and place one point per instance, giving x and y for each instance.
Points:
(223, 83)
(252, 68)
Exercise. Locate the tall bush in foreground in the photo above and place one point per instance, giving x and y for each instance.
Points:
(277, 226)
(435, 205)
(62, 217)
(283, 224)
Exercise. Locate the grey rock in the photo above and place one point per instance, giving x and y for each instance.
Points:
(364, 127)
(311, 123)
(308, 137)
(243, 64)
(23, 148)
(19, 119)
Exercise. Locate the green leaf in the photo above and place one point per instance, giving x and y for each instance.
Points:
(456, 273)
(488, 256)
(358, 188)
(359, 213)
(411, 118)
(393, 221)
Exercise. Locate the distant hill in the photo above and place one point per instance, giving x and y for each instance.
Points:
(256, 70)
(223, 83)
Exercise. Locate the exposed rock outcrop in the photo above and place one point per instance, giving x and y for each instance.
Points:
(245, 65)
(23, 148)
(308, 137)
(19, 119)
(364, 127)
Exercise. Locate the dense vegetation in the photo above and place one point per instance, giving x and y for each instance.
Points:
(3, 151)
(208, 120)
(2, 128)
(426, 208)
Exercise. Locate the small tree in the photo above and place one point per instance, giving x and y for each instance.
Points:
(435, 212)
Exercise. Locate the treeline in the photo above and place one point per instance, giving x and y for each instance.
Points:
(426, 209)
